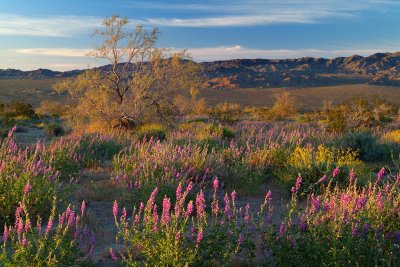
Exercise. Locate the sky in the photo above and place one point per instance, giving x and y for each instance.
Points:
(57, 34)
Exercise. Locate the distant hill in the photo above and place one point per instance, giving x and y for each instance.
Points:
(377, 69)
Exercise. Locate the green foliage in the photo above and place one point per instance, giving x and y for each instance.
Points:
(227, 113)
(60, 244)
(228, 133)
(314, 163)
(155, 131)
(22, 170)
(17, 109)
(53, 129)
(366, 145)
(358, 114)
(182, 234)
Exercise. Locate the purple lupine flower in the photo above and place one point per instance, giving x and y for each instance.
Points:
(200, 204)
(387, 188)
(27, 188)
(336, 172)
(23, 242)
(189, 208)
(178, 192)
(165, 217)
(27, 225)
(345, 216)
(282, 229)
(303, 225)
(83, 206)
(20, 227)
(71, 218)
(322, 180)
(315, 204)
(115, 209)
(5, 235)
(92, 239)
(233, 196)
(396, 237)
(39, 227)
(381, 173)
(49, 226)
(123, 217)
(177, 235)
(215, 184)
(113, 255)
(227, 208)
(345, 199)
(61, 219)
(268, 196)
(199, 236)
(296, 188)
(352, 176)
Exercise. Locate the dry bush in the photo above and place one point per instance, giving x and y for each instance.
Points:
(226, 113)
(283, 107)
(51, 108)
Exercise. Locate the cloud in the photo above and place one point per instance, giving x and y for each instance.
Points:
(53, 26)
(59, 52)
(238, 52)
(259, 12)
(219, 53)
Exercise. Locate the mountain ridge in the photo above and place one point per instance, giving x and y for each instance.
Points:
(379, 69)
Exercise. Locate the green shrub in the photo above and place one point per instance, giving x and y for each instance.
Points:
(60, 243)
(23, 171)
(367, 146)
(16, 109)
(227, 133)
(314, 163)
(155, 131)
(228, 113)
(53, 129)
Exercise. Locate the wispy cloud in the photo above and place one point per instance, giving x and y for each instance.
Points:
(259, 12)
(237, 52)
(60, 52)
(213, 53)
(53, 26)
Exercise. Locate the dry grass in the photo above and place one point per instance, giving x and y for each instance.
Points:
(307, 98)
(34, 91)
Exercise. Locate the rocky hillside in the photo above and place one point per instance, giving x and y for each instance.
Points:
(381, 68)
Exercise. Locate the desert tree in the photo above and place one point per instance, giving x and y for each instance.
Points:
(138, 84)
(284, 106)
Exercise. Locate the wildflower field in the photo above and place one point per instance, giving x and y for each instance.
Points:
(202, 193)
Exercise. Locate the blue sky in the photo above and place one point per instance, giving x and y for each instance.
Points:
(56, 34)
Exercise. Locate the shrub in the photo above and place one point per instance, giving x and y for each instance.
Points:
(358, 114)
(155, 131)
(23, 170)
(228, 133)
(228, 113)
(53, 129)
(283, 107)
(72, 153)
(367, 146)
(392, 137)
(313, 164)
(341, 227)
(182, 234)
(59, 244)
(16, 108)
(145, 165)
(51, 109)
